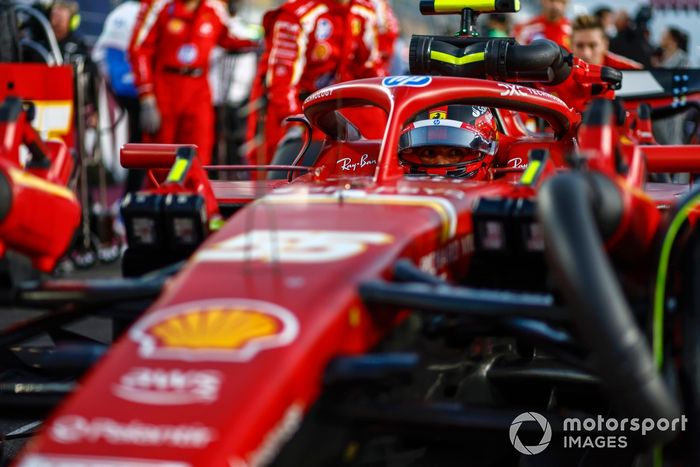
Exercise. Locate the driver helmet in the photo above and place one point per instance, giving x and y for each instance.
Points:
(457, 141)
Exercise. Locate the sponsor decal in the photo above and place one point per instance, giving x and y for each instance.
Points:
(325, 80)
(435, 261)
(221, 330)
(73, 429)
(410, 81)
(439, 114)
(478, 110)
(355, 27)
(520, 91)
(321, 52)
(35, 460)
(320, 94)
(176, 26)
(158, 386)
(516, 163)
(346, 163)
(293, 246)
(324, 29)
(206, 29)
(187, 54)
(511, 90)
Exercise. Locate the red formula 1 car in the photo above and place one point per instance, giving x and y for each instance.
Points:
(356, 313)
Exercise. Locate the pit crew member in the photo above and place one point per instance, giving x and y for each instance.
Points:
(552, 24)
(170, 57)
(309, 44)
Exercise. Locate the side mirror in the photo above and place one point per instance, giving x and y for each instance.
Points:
(300, 118)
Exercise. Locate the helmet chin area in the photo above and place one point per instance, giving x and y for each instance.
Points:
(455, 170)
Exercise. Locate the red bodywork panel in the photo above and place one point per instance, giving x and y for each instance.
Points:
(220, 370)
(50, 88)
(38, 214)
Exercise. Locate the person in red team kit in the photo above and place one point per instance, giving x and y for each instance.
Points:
(551, 24)
(170, 57)
(589, 42)
(309, 44)
(387, 31)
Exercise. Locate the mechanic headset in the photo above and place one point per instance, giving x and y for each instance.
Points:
(74, 8)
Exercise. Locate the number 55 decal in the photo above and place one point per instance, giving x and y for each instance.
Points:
(293, 246)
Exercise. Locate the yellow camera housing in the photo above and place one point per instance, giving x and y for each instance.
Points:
(449, 7)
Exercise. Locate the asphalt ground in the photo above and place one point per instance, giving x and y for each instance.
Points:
(97, 329)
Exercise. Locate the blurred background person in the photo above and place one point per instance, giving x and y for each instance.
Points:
(497, 25)
(111, 55)
(64, 16)
(551, 24)
(672, 130)
(309, 44)
(170, 55)
(589, 42)
(387, 32)
(632, 38)
(674, 49)
(607, 20)
(231, 78)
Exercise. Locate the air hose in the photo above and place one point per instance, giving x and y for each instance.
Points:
(498, 59)
(567, 208)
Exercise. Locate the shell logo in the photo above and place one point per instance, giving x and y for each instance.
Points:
(176, 26)
(214, 330)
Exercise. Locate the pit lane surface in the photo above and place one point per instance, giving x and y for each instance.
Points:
(98, 329)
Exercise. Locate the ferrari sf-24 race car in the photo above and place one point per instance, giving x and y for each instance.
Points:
(364, 310)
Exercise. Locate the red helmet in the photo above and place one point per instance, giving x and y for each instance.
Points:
(453, 141)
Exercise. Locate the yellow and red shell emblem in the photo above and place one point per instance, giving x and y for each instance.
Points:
(355, 27)
(176, 26)
(321, 52)
(214, 330)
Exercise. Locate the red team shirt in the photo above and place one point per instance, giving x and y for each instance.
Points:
(310, 44)
(171, 36)
(540, 28)
(170, 54)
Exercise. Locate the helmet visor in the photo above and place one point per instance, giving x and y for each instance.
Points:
(443, 132)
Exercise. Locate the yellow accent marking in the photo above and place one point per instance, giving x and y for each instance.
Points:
(516, 5)
(447, 6)
(530, 172)
(30, 181)
(354, 317)
(625, 140)
(42, 105)
(440, 115)
(178, 170)
(216, 223)
(447, 58)
(351, 451)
